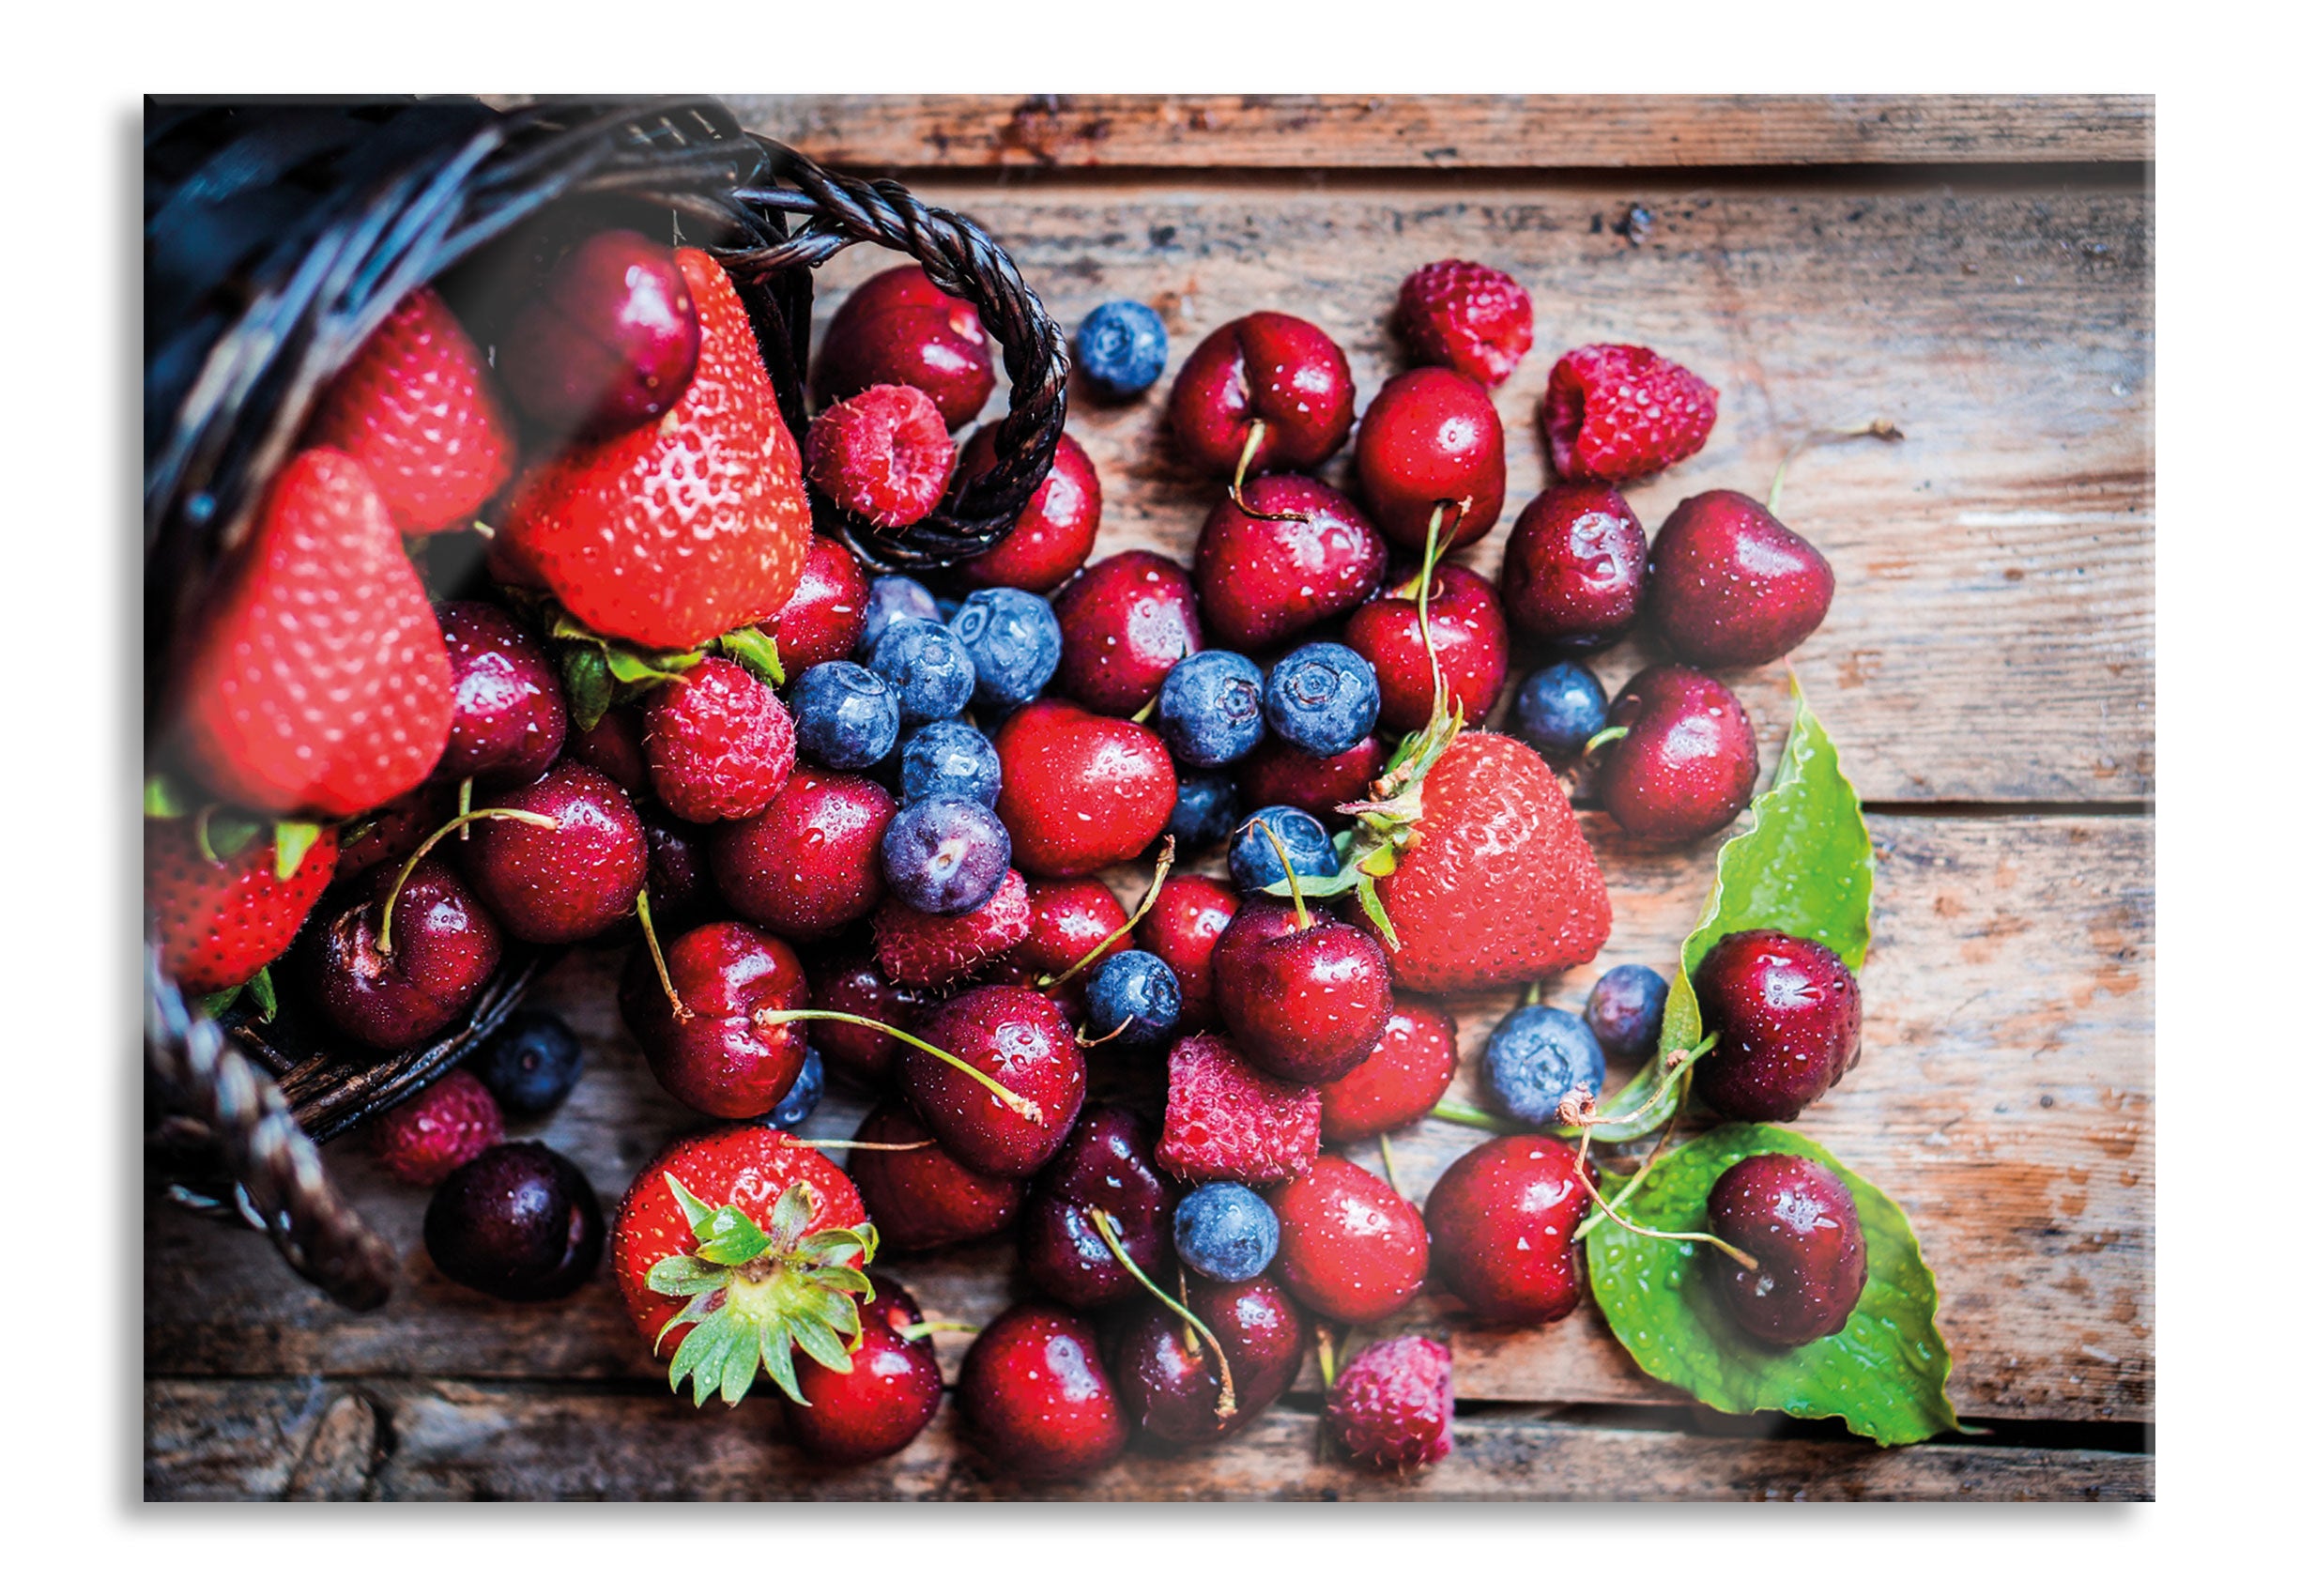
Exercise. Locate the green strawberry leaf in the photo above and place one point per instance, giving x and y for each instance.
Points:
(755, 653)
(290, 842)
(590, 691)
(1885, 1374)
(217, 1005)
(265, 998)
(163, 801)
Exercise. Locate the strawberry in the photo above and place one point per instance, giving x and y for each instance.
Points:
(222, 919)
(1615, 411)
(674, 532)
(763, 1238)
(1459, 314)
(1225, 1120)
(418, 408)
(935, 950)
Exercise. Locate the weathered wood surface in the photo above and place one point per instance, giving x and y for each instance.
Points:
(427, 1440)
(1439, 132)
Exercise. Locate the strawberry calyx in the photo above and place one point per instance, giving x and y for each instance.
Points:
(601, 671)
(754, 1294)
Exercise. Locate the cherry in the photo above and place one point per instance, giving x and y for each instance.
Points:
(1125, 622)
(808, 863)
(1305, 994)
(880, 1402)
(1401, 1080)
(510, 713)
(1574, 572)
(1473, 646)
(1069, 920)
(852, 984)
(572, 880)
(718, 1051)
(1798, 1221)
(680, 891)
(1081, 791)
(1269, 371)
(899, 328)
(1105, 1166)
(389, 835)
(1056, 530)
(823, 620)
(518, 1221)
(923, 1198)
(609, 341)
(1732, 586)
(1170, 1380)
(1033, 1390)
(613, 748)
(1018, 1038)
(1501, 1222)
(1431, 440)
(1787, 1016)
(1183, 927)
(1349, 1248)
(1278, 774)
(1689, 762)
(1289, 554)
(392, 984)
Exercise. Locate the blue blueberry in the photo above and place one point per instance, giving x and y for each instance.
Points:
(1625, 1008)
(1121, 347)
(1210, 709)
(1225, 1232)
(944, 856)
(945, 608)
(1536, 1057)
(1135, 990)
(947, 758)
(1013, 641)
(531, 1064)
(805, 1097)
(891, 599)
(1253, 859)
(845, 718)
(1205, 810)
(1559, 708)
(1322, 698)
(923, 661)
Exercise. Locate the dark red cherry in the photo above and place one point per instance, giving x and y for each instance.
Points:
(615, 747)
(1432, 438)
(1473, 647)
(1263, 581)
(1069, 920)
(518, 1221)
(1125, 622)
(1267, 367)
(1573, 573)
(899, 328)
(1019, 1039)
(1689, 762)
(852, 983)
(808, 863)
(569, 882)
(1278, 772)
(1168, 1376)
(1056, 531)
(680, 891)
(1787, 1013)
(510, 713)
(1183, 927)
(1106, 1164)
(823, 620)
(880, 1404)
(1501, 1222)
(441, 949)
(1036, 1396)
(608, 342)
(923, 1198)
(723, 1056)
(1731, 586)
(1306, 1001)
(1798, 1221)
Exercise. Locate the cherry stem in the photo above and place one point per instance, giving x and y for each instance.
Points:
(1325, 1358)
(1880, 428)
(834, 1145)
(1580, 1173)
(1389, 1165)
(1430, 548)
(1157, 879)
(1225, 1404)
(1086, 1042)
(463, 806)
(399, 883)
(1476, 1118)
(1254, 435)
(679, 1010)
(1611, 734)
(923, 1327)
(1143, 715)
(1301, 909)
(998, 1089)
(1644, 1168)
(1573, 1112)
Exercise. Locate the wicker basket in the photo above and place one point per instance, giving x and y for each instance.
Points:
(278, 235)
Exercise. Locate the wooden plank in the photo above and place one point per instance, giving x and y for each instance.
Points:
(1439, 132)
(2005, 1097)
(1992, 635)
(418, 1440)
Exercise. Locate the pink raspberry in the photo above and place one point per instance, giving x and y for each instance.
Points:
(1615, 411)
(1226, 1120)
(883, 456)
(430, 1136)
(1393, 1405)
(719, 743)
(935, 950)
(1458, 314)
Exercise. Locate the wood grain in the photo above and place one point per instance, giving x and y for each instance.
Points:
(1426, 133)
(492, 1441)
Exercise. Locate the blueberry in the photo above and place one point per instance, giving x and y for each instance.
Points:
(1133, 994)
(805, 1097)
(929, 670)
(846, 717)
(945, 608)
(892, 598)
(1205, 810)
(947, 758)
(532, 1063)
(944, 856)
(1254, 860)
(1559, 708)
(1625, 1008)
(1013, 641)
(1121, 347)
(1322, 698)
(1536, 1057)
(1225, 1232)
(1210, 709)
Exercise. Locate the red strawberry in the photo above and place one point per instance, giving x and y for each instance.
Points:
(1225, 1120)
(1411, 1068)
(1393, 1405)
(719, 743)
(319, 680)
(736, 1245)
(417, 407)
(432, 1134)
(219, 923)
(1615, 411)
(1458, 314)
(935, 950)
(674, 532)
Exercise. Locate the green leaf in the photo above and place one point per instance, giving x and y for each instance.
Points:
(648, 670)
(591, 692)
(264, 996)
(755, 653)
(731, 1237)
(741, 1366)
(290, 842)
(795, 1210)
(217, 1005)
(704, 1347)
(162, 801)
(774, 1353)
(683, 1275)
(820, 1343)
(223, 837)
(1884, 1374)
(698, 1212)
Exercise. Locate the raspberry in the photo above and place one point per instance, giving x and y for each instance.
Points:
(449, 1123)
(1458, 314)
(1225, 1120)
(1393, 1405)
(883, 456)
(719, 743)
(934, 950)
(1615, 411)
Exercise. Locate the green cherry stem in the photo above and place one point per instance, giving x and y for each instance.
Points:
(1294, 885)
(834, 1145)
(1611, 734)
(1389, 1165)
(924, 1328)
(1157, 879)
(1476, 1118)
(1002, 1092)
(1226, 1404)
(1254, 435)
(1581, 1172)
(679, 1011)
(525, 816)
(1433, 547)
